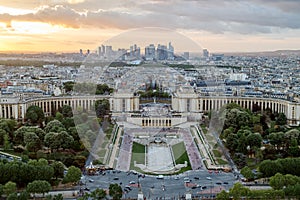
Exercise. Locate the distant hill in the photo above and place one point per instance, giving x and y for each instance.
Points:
(266, 53)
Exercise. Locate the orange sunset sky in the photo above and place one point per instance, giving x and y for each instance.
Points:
(219, 26)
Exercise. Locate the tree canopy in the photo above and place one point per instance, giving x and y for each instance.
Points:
(73, 175)
(35, 115)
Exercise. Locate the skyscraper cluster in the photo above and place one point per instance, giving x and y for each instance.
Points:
(162, 52)
(105, 51)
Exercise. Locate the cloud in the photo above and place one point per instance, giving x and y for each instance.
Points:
(244, 17)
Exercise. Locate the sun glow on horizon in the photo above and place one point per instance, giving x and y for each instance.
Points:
(14, 11)
(33, 27)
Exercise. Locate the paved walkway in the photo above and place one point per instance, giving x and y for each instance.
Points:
(191, 148)
(124, 158)
(115, 149)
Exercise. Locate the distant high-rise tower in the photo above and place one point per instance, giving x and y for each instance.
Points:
(88, 52)
(99, 51)
(103, 50)
(138, 52)
(170, 52)
(205, 53)
(108, 51)
(150, 52)
(162, 53)
(80, 52)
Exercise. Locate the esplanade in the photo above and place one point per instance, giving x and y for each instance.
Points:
(184, 101)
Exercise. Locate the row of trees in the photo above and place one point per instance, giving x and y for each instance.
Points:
(23, 173)
(269, 168)
(244, 133)
(34, 187)
(238, 191)
(115, 192)
(59, 134)
(54, 136)
(36, 175)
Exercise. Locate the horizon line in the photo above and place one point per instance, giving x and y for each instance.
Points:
(75, 52)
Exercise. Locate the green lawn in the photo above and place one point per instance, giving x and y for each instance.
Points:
(221, 161)
(204, 129)
(102, 152)
(217, 153)
(180, 153)
(138, 154)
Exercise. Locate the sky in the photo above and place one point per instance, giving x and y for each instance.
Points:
(219, 26)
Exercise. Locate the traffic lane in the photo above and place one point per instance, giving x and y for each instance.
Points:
(126, 179)
(172, 186)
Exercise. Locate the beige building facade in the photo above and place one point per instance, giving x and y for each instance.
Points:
(185, 102)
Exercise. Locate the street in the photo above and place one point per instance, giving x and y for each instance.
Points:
(198, 183)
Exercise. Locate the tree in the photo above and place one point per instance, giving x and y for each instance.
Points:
(103, 89)
(54, 126)
(66, 110)
(281, 119)
(223, 195)
(290, 135)
(19, 134)
(258, 129)
(41, 169)
(8, 125)
(277, 182)
(102, 108)
(24, 195)
(59, 116)
(65, 139)
(293, 190)
(242, 144)
(68, 122)
(58, 197)
(7, 144)
(294, 148)
(35, 115)
(13, 196)
(269, 168)
(276, 139)
(68, 86)
(58, 140)
(258, 154)
(236, 118)
(1, 190)
(32, 141)
(79, 161)
(254, 140)
(73, 175)
(115, 191)
(98, 194)
(38, 187)
(9, 188)
(2, 133)
(238, 191)
(226, 132)
(240, 159)
(247, 173)
(231, 141)
(58, 168)
(51, 140)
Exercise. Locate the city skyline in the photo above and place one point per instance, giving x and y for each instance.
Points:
(230, 26)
